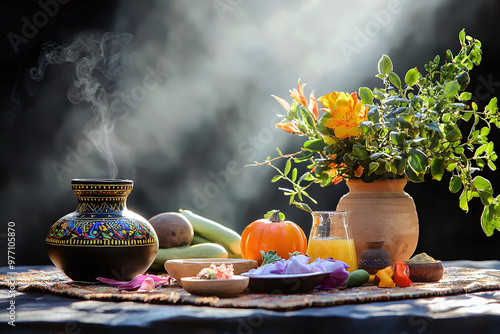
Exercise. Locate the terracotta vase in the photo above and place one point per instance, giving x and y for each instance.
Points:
(102, 238)
(381, 211)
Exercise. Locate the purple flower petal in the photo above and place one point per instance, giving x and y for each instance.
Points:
(298, 265)
(338, 273)
(110, 281)
(327, 265)
(135, 283)
(267, 269)
(280, 267)
(147, 285)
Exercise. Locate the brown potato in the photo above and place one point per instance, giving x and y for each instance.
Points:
(172, 229)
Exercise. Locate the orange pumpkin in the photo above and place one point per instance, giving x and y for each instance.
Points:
(283, 237)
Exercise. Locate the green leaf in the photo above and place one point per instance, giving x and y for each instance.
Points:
(480, 150)
(411, 77)
(450, 167)
(288, 165)
(467, 115)
(454, 134)
(373, 167)
(485, 131)
(347, 159)
(489, 149)
(414, 177)
(405, 119)
(366, 95)
(492, 165)
(373, 115)
(437, 169)
(293, 110)
(303, 155)
(487, 218)
(303, 206)
(307, 176)
(294, 174)
(269, 257)
(461, 36)
(395, 80)
(465, 96)
(464, 202)
(396, 138)
(270, 213)
(276, 178)
(484, 188)
(417, 161)
(384, 65)
(433, 126)
(366, 126)
(450, 89)
(359, 152)
(455, 184)
(449, 55)
(379, 94)
(377, 155)
(314, 145)
(490, 219)
(492, 105)
(307, 116)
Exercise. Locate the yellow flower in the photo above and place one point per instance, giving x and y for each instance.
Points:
(346, 113)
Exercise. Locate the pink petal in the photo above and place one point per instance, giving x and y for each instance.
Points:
(110, 281)
(147, 285)
(135, 283)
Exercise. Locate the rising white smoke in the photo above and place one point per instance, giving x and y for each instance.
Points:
(98, 65)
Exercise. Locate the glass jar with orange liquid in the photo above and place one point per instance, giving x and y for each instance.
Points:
(330, 237)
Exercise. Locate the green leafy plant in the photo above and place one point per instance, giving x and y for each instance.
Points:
(408, 129)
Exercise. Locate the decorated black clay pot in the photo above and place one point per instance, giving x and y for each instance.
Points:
(102, 238)
(374, 258)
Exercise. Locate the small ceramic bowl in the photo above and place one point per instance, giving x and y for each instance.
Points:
(191, 267)
(426, 271)
(215, 287)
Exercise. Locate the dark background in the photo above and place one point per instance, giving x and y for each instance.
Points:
(212, 109)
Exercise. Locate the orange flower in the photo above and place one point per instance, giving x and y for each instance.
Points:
(334, 174)
(346, 113)
(313, 105)
(359, 171)
(337, 179)
(289, 127)
(298, 94)
(283, 102)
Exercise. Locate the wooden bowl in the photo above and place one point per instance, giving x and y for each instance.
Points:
(426, 271)
(215, 287)
(191, 267)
